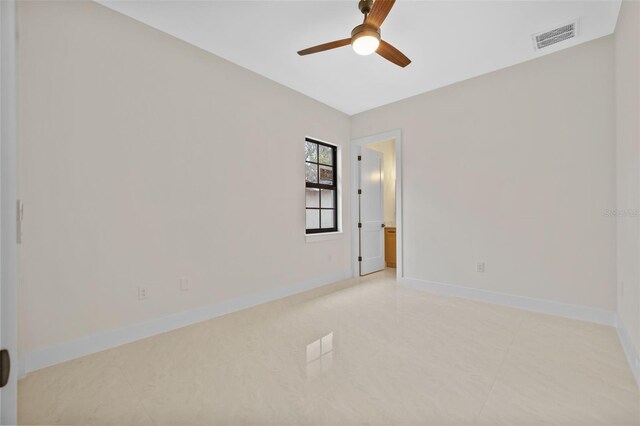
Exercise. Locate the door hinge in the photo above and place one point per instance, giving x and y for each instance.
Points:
(19, 220)
(359, 258)
(5, 367)
(359, 191)
(359, 157)
(359, 225)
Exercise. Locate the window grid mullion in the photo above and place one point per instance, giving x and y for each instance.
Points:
(321, 186)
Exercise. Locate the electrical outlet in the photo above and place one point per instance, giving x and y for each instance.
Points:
(480, 267)
(143, 293)
(184, 284)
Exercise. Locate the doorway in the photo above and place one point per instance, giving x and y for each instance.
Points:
(376, 184)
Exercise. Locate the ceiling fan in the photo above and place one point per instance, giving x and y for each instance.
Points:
(365, 38)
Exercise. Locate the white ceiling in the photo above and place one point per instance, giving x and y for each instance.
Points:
(448, 41)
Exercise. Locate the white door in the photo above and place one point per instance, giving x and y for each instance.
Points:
(371, 222)
(8, 227)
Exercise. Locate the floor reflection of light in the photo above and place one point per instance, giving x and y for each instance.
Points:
(320, 356)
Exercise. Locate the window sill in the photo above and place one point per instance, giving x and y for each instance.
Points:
(312, 238)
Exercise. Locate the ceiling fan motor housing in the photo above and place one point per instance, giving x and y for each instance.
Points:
(365, 39)
(365, 6)
(365, 30)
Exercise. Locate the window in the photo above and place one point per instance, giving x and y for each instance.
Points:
(322, 187)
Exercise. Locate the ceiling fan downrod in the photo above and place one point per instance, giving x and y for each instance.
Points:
(365, 7)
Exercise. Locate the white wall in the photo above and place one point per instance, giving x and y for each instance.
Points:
(516, 169)
(388, 150)
(627, 60)
(144, 159)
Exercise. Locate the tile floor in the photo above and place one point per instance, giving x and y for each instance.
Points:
(363, 351)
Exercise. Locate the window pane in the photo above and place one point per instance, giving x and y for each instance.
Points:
(313, 219)
(313, 197)
(327, 198)
(326, 175)
(327, 218)
(326, 154)
(312, 173)
(311, 151)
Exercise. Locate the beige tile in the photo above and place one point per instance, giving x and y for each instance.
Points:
(90, 390)
(526, 396)
(363, 351)
(563, 372)
(408, 389)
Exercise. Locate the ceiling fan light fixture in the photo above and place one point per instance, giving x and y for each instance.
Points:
(365, 45)
(365, 38)
(365, 41)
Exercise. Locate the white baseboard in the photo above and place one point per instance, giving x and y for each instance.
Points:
(629, 349)
(584, 313)
(87, 345)
(67, 351)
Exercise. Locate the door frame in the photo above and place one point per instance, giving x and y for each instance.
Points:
(355, 148)
(8, 206)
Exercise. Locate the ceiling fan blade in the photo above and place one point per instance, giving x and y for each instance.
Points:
(379, 12)
(326, 46)
(392, 54)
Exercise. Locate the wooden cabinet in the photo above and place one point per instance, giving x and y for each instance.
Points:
(390, 247)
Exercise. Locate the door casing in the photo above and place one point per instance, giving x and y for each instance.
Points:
(355, 148)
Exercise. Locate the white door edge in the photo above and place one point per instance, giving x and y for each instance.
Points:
(8, 196)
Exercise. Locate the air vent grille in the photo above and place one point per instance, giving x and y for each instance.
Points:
(556, 35)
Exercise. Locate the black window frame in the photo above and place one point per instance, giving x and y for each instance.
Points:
(320, 186)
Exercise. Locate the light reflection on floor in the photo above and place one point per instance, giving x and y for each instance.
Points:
(319, 356)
